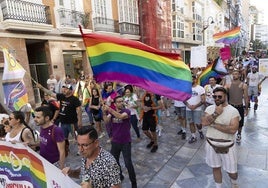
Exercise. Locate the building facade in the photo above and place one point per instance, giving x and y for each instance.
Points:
(43, 35)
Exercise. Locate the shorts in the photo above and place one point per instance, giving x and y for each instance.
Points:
(97, 117)
(253, 90)
(194, 116)
(149, 123)
(68, 128)
(181, 111)
(227, 161)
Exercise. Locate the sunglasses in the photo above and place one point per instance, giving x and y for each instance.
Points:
(217, 96)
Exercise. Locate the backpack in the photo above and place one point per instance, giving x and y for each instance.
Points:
(35, 136)
(66, 141)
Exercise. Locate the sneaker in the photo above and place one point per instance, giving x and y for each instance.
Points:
(183, 135)
(180, 132)
(201, 134)
(192, 140)
(255, 106)
(150, 144)
(155, 147)
(238, 138)
(160, 132)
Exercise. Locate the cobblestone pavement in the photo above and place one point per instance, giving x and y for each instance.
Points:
(178, 164)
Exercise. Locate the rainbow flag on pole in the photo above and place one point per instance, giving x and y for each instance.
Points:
(216, 69)
(228, 37)
(132, 62)
(14, 88)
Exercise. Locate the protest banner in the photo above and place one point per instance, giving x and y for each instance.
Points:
(21, 167)
(263, 66)
(198, 56)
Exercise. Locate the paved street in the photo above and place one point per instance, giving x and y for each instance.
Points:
(178, 164)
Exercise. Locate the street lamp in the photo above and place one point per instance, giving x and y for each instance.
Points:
(205, 26)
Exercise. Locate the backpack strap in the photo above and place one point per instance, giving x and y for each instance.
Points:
(53, 134)
(22, 133)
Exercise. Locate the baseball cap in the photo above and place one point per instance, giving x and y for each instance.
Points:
(68, 86)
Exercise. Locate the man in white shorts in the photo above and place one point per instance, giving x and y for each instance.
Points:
(222, 121)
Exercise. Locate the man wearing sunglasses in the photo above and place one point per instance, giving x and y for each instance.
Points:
(222, 121)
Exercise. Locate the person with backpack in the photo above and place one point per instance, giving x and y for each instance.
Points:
(52, 140)
(20, 132)
(150, 104)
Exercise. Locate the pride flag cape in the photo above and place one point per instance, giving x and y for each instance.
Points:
(215, 69)
(14, 88)
(132, 62)
(227, 37)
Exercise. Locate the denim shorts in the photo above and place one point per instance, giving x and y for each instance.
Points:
(194, 116)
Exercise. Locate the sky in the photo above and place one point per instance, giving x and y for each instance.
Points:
(261, 5)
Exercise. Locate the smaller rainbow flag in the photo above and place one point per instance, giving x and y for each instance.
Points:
(228, 37)
(15, 93)
(215, 69)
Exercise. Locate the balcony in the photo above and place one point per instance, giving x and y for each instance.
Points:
(129, 28)
(25, 16)
(69, 20)
(106, 25)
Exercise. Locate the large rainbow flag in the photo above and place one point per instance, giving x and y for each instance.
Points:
(132, 62)
(215, 69)
(228, 37)
(14, 88)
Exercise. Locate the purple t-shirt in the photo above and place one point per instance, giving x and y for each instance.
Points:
(48, 143)
(121, 128)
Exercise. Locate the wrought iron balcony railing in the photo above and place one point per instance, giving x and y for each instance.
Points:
(25, 11)
(129, 28)
(71, 18)
(104, 24)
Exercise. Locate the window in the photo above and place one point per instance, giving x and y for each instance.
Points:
(100, 8)
(61, 3)
(128, 11)
(178, 27)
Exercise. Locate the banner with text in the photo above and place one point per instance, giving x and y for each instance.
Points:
(263, 66)
(198, 56)
(22, 167)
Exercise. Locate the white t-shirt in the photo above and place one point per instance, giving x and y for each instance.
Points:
(254, 78)
(130, 102)
(209, 93)
(229, 112)
(228, 79)
(51, 83)
(197, 91)
(178, 103)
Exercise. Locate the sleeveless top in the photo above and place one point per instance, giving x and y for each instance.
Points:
(14, 139)
(95, 101)
(236, 92)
